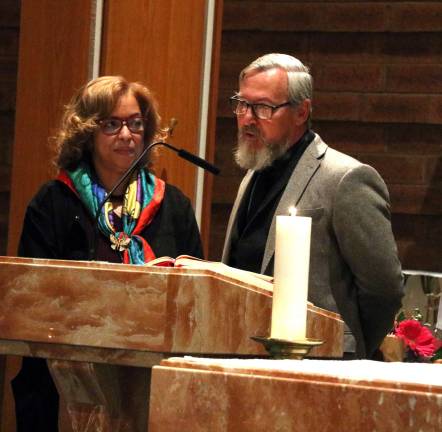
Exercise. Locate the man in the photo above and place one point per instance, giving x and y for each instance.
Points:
(354, 268)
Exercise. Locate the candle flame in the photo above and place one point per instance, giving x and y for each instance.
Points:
(292, 211)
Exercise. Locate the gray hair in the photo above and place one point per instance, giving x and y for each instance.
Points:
(299, 80)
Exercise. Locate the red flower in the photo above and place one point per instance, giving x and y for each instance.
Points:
(418, 337)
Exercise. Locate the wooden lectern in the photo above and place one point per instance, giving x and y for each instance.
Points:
(103, 326)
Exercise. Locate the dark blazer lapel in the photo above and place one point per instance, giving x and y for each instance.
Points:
(298, 183)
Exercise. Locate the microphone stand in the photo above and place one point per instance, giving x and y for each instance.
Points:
(181, 153)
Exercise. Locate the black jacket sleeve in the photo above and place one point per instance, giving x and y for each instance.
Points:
(39, 238)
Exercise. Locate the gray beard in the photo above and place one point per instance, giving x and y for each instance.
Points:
(259, 159)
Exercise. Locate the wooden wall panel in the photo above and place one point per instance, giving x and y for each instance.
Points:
(211, 125)
(163, 49)
(9, 32)
(53, 61)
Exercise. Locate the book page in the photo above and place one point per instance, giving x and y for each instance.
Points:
(256, 279)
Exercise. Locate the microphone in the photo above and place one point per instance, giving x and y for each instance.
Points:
(196, 160)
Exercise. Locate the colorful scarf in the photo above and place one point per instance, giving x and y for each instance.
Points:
(142, 200)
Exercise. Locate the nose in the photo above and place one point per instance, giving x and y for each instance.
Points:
(125, 133)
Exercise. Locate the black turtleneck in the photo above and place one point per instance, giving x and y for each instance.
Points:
(255, 214)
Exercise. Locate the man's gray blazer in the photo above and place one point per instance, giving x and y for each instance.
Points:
(354, 267)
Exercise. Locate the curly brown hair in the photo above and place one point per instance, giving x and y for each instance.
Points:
(92, 102)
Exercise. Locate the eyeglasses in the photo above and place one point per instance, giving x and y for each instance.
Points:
(113, 125)
(261, 110)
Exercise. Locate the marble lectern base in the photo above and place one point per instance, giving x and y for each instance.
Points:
(294, 395)
(102, 397)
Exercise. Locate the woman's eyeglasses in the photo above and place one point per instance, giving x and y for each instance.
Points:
(113, 125)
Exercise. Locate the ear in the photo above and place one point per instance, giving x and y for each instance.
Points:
(303, 112)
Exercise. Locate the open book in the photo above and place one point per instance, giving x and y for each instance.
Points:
(187, 261)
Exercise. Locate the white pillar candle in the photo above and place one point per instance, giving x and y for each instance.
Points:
(292, 258)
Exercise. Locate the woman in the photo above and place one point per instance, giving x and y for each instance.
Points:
(105, 127)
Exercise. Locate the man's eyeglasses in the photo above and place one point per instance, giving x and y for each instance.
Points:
(260, 110)
(113, 125)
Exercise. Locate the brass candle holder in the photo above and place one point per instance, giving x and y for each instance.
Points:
(280, 349)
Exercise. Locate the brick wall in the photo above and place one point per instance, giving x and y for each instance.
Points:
(9, 31)
(377, 68)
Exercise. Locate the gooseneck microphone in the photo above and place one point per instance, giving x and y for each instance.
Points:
(196, 160)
